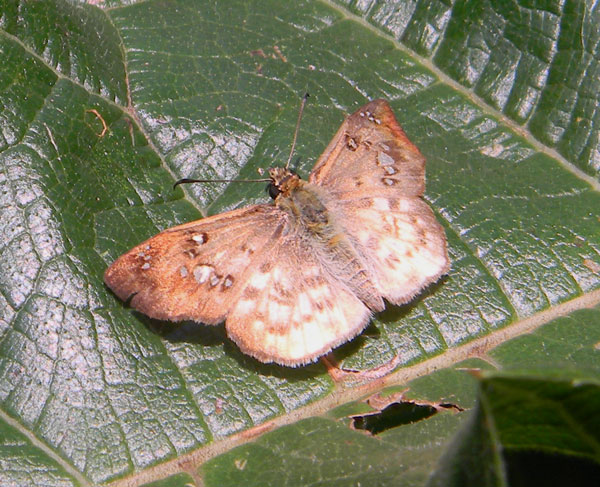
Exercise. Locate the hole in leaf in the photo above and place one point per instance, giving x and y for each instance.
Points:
(396, 414)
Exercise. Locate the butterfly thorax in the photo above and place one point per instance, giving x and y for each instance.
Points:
(311, 220)
(301, 200)
(282, 181)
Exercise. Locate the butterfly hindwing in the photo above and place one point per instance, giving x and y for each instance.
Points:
(292, 310)
(401, 240)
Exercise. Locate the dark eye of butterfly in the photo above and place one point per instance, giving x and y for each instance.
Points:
(273, 190)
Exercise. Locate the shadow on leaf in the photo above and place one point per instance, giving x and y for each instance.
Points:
(215, 335)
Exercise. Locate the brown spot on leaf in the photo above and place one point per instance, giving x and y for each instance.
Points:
(592, 266)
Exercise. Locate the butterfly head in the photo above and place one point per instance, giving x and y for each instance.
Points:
(282, 181)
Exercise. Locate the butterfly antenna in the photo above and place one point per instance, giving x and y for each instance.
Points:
(188, 180)
(302, 103)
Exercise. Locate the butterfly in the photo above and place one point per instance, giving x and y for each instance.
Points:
(299, 276)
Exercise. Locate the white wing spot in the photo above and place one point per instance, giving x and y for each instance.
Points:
(147, 247)
(388, 181)
(385, 159)
(381, 204)
(228, 282)
(245, 306)
(214, 280)
(146, 266)
(279, 311)
(390, 170)
(202, 273)
(259, 280)
(304, 304)
(372, 118)
(183, 272)
(319, 293)
(312, 271)
(200, 238)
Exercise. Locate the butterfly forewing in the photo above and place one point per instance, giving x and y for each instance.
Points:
(369, 154)
(193, 271)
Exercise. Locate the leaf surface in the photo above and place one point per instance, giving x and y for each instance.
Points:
(103, 107)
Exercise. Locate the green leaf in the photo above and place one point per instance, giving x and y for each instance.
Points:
(24, 463)
(322, 453)
(521, 415)
(534, 63)
(103, 107)
(529, 429)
